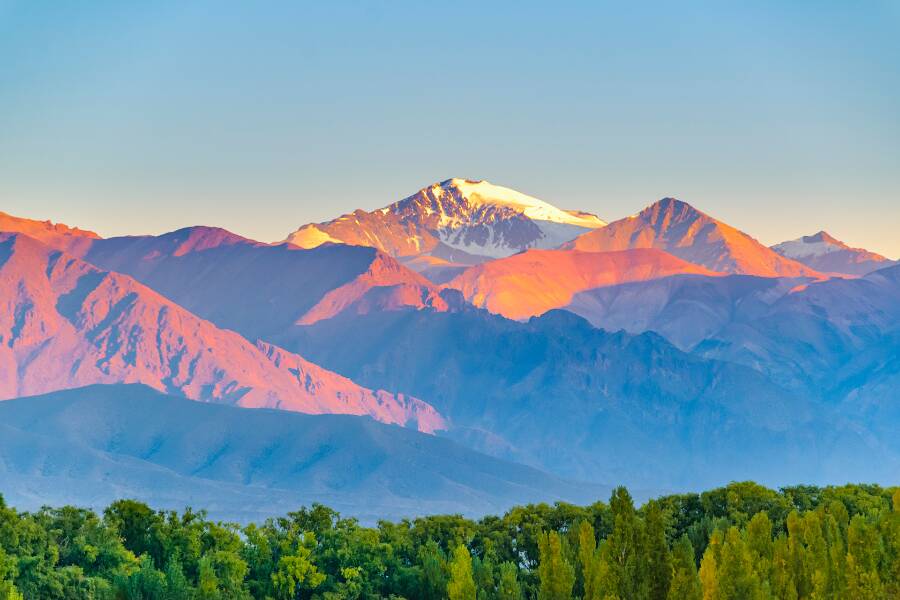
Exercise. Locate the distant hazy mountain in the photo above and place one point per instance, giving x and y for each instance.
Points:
(452, 223)
(823, 338)
(92, 445)
(682, 230)
(808, 337)
(64, 323)
(685, 309)
(557, 393)
(829, 255)
(531, 283)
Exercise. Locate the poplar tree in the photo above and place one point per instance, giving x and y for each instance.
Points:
(624, 572)
(509, 587)
(588, 561)
(737, 580)
(709, 567)
(462, 584)
(556, 574)
(685, 580)
(656, 552)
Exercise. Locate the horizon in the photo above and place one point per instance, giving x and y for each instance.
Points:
(138, 232)
(779, 120)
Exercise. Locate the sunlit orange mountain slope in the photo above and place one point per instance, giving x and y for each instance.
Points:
(682, 230)
(533, 282)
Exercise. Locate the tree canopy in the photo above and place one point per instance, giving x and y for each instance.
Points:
(742, 541)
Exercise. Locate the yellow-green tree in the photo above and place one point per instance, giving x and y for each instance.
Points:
(462, 584)
(7, 575)
(709, 567)
(864, 550)
(296, 572)
(556, 575)
(588, 561)
(737, 580)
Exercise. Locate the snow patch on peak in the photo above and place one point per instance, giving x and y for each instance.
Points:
(819, 244)
(482, 192)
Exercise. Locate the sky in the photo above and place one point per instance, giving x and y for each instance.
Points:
(780, 118)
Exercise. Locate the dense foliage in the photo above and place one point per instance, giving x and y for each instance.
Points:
(742, 541)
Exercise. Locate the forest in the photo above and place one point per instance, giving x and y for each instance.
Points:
(741, 541)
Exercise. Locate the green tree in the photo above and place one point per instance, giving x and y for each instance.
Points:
(737, 580)
(656, 551)
(509, 588)
(137, 525)
(588, 562)
(483, 573)
(146, 583)
(685, 579)
(864, 554)
(709, 567)
(462, 584)
(623, 565)
(433, 583)
(177, 585)
(8, 572)
(207, 582)
(295, 573)
(557, 577)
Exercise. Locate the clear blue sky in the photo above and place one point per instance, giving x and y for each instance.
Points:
(781, 118)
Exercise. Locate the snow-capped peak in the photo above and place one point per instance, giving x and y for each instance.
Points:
(819, 244)
(458, 221)
(481, 192)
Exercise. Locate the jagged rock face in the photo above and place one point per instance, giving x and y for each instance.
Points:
(830, 255)
(682, 230)
(65, 323)
(458, 221)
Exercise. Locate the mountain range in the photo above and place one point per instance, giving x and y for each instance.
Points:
(66, 323)
(467, 325)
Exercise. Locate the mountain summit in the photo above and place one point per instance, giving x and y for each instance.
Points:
(452, 223)
(826, 253)
(692, 235)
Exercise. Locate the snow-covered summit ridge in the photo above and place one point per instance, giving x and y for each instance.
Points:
(481, 193)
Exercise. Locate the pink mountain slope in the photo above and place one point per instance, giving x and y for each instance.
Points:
(57, 235)
(65, 323)
(202, 269)
(533, 282)
(682, 230)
